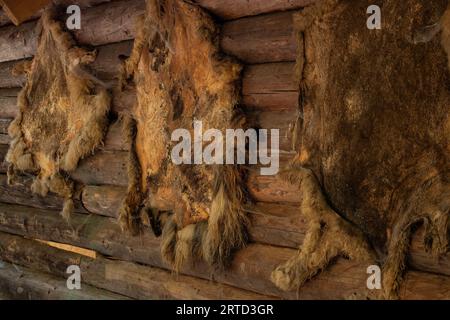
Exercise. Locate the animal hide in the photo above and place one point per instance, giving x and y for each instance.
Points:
(375, 136)
(63, 113)
(179, 77)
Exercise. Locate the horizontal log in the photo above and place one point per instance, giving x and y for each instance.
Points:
(233, 9)
(4, 139)
(121, 277)
(4, 20)
(268, 38)
(3, 151)
(20, 193)
(103, 24)
(259, 82)
(262, 39)
(8, 102)
(4, 124)
(18, 42)
(21, 283)
(20, 11)
(274, 224)
(110, 168)
(268, 87)
(7, 80)
(343, 280)
(103, 235)
(104, 167)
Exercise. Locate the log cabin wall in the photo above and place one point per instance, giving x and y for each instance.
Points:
(36, 245)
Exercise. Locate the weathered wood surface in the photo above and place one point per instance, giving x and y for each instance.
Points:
(259, 82)
(114, 140)
(21, 193)
(4, 20)
(233, 9)
(274, 224)
(341, 281)
(125, 278)
(261, 39)
(253, 40)
(21, 283)
(103, 24)
(19, 11)
(8, 103)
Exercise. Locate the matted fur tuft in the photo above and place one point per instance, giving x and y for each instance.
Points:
(63, 113)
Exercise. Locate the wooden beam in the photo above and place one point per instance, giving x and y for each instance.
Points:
(254, 264)
(21, 283)
(121, 277)
(253, 40)
(262, 39)
(20, 11)
(272, 223)
(233, 9)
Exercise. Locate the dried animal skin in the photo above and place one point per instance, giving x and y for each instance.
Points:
(180, 76)
(375, 138)
(63, 113)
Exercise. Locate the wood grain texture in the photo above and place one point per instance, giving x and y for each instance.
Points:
(19, 11)
(20, 193)
(121, 277)
(261, 39)
(8, 103)
(344, 280)
(233, 9)
(21, 283)
(4, 20)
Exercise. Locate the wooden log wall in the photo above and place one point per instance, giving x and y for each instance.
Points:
(260, 34)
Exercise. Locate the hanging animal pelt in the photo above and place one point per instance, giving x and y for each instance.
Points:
(181, 77)
(374, 156)
(63, 113)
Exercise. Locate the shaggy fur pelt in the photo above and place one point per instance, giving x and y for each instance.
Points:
(375, 136)
(63, 113)
(180, 76)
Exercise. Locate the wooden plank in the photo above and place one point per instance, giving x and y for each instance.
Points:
(253, 40)
(233, 9)
(21, 283)
(268, 38)
(340, 281)
(125, 278)
(19, 11)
